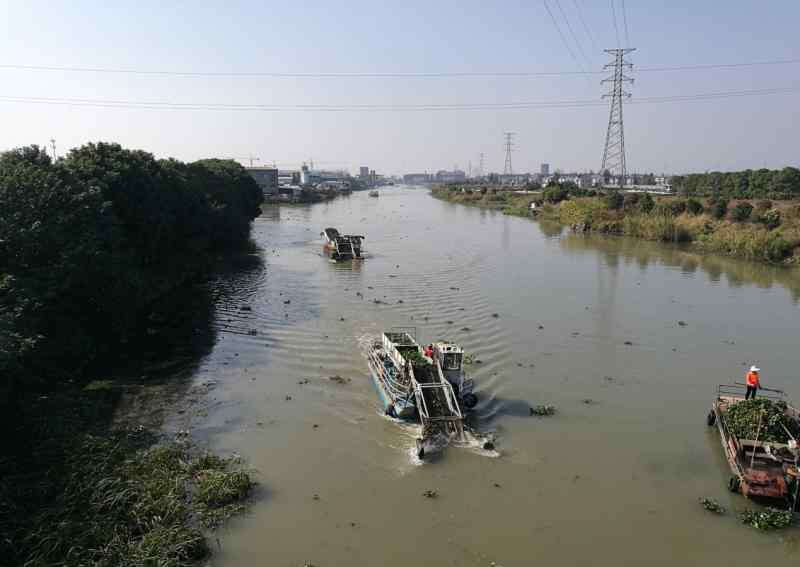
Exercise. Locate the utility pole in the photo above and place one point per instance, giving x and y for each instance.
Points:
(53, 146)
(614, 152)
(509, 145)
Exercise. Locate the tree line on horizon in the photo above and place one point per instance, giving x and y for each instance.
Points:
(773, 184)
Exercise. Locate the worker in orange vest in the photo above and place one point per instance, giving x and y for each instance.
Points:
(753, 384)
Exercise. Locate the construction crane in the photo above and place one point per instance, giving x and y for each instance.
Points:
(250, 158)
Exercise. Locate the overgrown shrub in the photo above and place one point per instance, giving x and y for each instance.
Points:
(771, 219)
(742, 211)
(719, 209)
(694, 207)
(646, 203)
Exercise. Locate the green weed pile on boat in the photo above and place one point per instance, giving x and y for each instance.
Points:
(762, 418)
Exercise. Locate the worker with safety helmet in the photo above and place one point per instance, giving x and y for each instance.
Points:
(753, 382)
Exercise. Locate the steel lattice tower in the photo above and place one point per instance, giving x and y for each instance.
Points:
(614, 152)
(509, 145)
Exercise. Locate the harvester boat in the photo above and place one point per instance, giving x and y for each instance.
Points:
(340, 247)
(761, 469)
(430, 389)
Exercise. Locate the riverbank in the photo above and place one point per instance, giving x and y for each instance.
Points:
(764, 231)
(96, 251)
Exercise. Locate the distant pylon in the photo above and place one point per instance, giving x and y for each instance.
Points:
(509, 145)
(614, 152)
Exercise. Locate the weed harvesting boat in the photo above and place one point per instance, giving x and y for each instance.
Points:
(429, 388)
(759, 438)
(340, 247)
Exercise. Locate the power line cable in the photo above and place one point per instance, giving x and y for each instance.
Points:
(625, 20)
(585, 27)
(572, 33)
(557, 104)
(563, 39)
(614, 17)
(456, 74)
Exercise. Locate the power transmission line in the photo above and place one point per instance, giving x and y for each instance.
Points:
(560, 33)
(509, 146)
(614, 152)
(583, 23)
(522, 105)
(614, 17)
(572, 33)
(625, 21)
(410, 75)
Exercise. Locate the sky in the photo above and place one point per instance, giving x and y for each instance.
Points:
(220, 40)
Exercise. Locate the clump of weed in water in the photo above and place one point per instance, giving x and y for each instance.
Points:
(712, 505)
(765, 520)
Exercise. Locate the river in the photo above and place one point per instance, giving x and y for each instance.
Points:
(588, 324)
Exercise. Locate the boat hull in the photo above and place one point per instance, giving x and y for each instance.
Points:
(403, 409)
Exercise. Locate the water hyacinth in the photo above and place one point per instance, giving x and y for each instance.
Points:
(543, 410)
(765, 520)
(712, 505)
(743, 420)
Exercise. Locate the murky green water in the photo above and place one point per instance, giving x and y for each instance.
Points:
(612, 479)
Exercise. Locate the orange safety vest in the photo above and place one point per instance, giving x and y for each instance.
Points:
(752, 378)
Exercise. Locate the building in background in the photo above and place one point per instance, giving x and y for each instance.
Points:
(455, 176)
(363, 172)
(416, 178)
(544, 170)
(266, 178)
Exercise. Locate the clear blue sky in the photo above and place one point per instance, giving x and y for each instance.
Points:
(405, 37)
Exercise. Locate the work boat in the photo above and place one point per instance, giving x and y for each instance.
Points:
(342, 246)
(432, 390)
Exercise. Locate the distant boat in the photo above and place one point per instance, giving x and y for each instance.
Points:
(374, 193)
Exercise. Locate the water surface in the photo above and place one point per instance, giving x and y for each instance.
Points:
(612, 479)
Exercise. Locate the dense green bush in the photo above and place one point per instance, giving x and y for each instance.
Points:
(677, 207)
(91, 241)
(694, 207)
(719, 209)
(646, 203)
(741, 212)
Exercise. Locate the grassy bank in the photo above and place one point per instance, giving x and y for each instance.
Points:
(85, 495)
(761, 230)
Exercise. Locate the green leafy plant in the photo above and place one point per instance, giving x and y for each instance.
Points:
(712, 505)
(694, 207)
(543, 410)
(765, 520)
(760, 417)
(742, 211)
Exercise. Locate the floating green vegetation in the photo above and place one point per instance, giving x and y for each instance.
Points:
(543, 410)
(761, 418)
(765, 520)
(712, 505)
